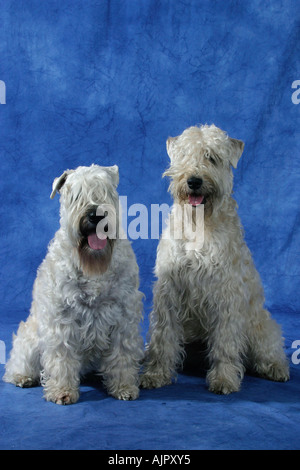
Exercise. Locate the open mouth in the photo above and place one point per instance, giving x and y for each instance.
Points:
(95, 242)
(196, 199)
(92, 237)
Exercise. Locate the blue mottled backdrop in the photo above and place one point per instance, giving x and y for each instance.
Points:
(107, 81)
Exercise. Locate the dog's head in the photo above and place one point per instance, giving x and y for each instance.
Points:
(89, 214)
(200, 166)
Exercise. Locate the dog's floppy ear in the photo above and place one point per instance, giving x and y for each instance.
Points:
(170, 146)
(59, 182)
(113, 172)
(237, 147)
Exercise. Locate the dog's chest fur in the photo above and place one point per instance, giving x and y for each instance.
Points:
(84, 311)
(198, 274)
(84, 292)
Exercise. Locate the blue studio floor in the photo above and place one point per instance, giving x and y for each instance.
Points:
(182, 416)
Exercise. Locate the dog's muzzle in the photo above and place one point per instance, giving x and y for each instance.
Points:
(96, 239)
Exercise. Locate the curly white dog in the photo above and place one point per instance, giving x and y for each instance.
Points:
(86, 305)
(212, 292)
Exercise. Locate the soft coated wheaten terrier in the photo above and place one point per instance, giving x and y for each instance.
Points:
(86, 305)
(211, 291)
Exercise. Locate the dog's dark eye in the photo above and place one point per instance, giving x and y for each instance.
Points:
(212, 160)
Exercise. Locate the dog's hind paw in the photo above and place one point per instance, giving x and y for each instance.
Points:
(155, 380)
(277, 371)
(21, 381)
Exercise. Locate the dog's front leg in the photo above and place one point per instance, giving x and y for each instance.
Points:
(120, 363)
(164, 353)
(60, 376)
(226, 345)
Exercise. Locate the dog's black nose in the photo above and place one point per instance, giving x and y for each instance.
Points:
(194, 183)
(95, 219)
(92, 218)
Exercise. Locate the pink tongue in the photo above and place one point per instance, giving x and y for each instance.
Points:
(195, 200)
(96, 243)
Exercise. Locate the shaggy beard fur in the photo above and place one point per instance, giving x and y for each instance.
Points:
(181, 192)
(94, 262)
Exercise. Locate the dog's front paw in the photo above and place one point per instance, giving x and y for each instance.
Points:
(223, 383)
(154, 380)
(222, 387)
(63, 397)
(127, 393)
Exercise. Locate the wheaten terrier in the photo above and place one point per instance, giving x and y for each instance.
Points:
(210, 291)
(86, 305)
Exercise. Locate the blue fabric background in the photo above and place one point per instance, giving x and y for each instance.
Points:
(107, 82)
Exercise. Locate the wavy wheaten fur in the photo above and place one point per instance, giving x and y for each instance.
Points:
(213, 292)
(86, 305)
